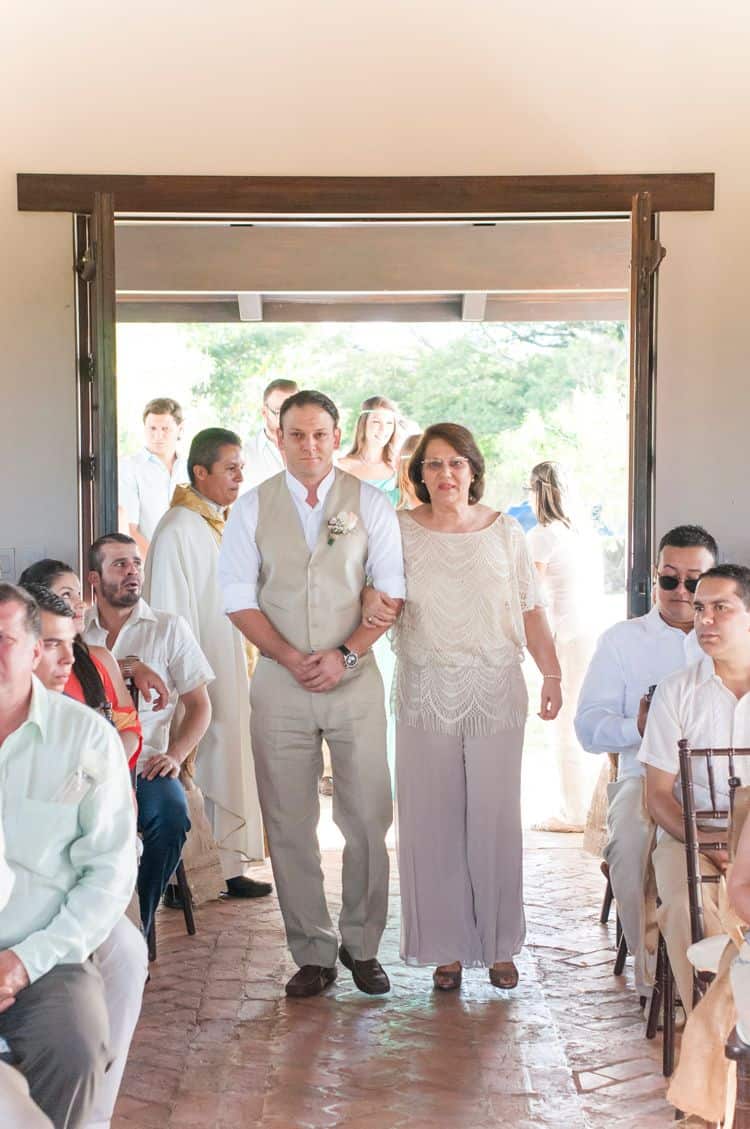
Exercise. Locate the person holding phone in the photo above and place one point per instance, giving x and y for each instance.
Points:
(630, 659)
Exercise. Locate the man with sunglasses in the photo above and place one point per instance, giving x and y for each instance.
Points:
(630, 657)
(263, 457)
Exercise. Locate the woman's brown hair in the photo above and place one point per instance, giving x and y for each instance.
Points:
(464, 444)
(374, 404)
(403, 481)
(547, 494)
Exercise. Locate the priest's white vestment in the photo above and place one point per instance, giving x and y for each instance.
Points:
(181, 577)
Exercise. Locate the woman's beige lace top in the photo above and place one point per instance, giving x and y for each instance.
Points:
(460, 638)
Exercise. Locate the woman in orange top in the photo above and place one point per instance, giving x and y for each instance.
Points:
(95, 680)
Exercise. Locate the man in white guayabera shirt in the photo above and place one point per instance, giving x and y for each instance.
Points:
(293, 562)
(630, 657)
(709, 705)
(69, 829)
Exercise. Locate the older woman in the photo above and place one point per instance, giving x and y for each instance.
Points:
(461, 704)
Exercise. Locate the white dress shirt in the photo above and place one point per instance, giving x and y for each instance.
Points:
(146, 488)
(239, 559)
(164, 642)
(69, 824)
(263, 460)
(694, 703)
(629, 657)
(7, 878)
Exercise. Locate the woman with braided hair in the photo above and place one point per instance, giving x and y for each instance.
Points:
(568, 563)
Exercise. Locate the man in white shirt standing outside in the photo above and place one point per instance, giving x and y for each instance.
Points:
(709, 705)
(125, 624)
(147, 480)
(630, 657)
(293, 562)
(263, 457)
(69, 830)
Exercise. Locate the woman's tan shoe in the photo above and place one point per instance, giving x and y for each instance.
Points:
(504, 974)
(447, 979)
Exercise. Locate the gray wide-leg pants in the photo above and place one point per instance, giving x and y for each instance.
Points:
(288, 725)
(460, 846)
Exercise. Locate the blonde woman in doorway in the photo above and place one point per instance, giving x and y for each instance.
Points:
(372, 456)
(569, 566)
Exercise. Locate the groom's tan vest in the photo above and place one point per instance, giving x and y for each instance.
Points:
(312, 599)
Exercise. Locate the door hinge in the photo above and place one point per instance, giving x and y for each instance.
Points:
(89, 468)
(86, 265)
(87, 367)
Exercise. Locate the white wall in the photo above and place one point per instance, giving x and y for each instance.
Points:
(398, 87)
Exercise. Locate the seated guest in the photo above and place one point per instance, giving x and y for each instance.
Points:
(67, 816)
(122, 959)
(629, 658)
(709, 704)
(134, 633)
(95, 679)
(16, 1107)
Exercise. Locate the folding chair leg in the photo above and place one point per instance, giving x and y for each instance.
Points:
(187, 898)
(658, 993)
(606, 904)
(622, 952)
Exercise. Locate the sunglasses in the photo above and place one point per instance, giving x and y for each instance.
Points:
(669, 583)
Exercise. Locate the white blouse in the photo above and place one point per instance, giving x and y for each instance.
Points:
(573, 580)
(460, 638)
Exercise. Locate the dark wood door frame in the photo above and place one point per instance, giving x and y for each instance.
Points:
(642, 197)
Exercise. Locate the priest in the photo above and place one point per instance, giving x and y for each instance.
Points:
(181, 577)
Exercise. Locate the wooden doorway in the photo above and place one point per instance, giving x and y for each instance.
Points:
(94, 200)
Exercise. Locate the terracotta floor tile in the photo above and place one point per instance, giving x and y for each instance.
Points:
(219, 1045)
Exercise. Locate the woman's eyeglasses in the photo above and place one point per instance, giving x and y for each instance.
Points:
(458, 462)
(669, 583)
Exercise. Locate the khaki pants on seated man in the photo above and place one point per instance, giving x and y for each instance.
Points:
(673, 915)
(631, 833)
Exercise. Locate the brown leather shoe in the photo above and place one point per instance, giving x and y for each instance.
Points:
(310, 980)
(369, 975)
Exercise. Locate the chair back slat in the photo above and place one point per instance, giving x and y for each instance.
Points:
(692, 822)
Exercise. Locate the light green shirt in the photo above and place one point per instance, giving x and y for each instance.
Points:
(69, 824)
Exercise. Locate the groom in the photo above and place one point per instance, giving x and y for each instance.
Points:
(295, 557)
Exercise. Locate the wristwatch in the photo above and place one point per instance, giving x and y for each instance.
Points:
(351, 658)
(126, 665)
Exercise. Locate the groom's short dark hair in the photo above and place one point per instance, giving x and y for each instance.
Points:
(307, 398)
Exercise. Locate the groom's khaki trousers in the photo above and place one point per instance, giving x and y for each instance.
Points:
(288, 725)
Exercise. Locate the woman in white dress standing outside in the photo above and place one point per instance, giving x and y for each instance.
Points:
(461, 704)
(566, 561)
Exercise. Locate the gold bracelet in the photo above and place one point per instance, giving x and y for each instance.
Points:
(556, 676)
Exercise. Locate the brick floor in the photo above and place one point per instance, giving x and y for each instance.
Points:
(220, 1047)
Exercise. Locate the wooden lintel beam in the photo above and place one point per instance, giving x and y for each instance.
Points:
(347, 196)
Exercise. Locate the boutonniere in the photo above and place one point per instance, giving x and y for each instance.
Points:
(343, 523)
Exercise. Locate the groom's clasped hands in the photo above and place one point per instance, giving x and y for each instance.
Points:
(318, 672)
